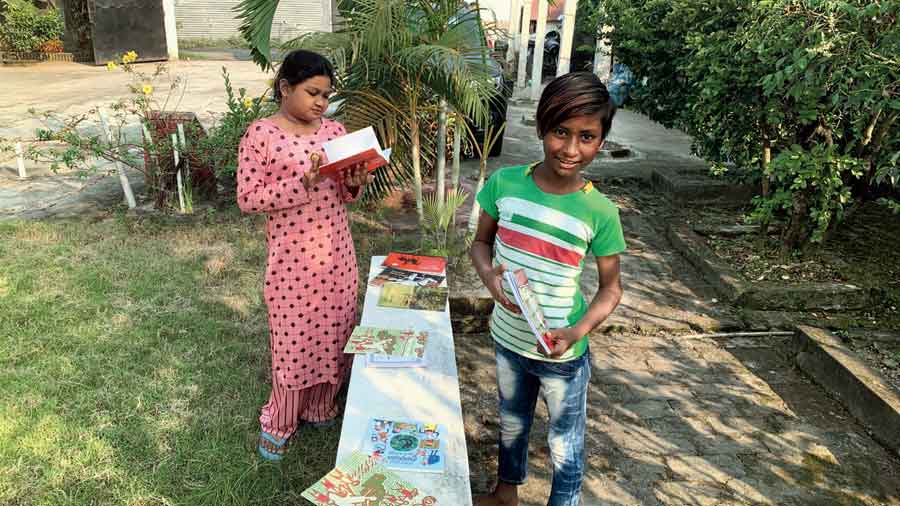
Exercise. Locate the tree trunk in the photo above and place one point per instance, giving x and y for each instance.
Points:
(457, 147)
(476, 209)
(417, 167)
(441, 156)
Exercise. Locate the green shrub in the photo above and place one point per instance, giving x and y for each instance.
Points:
(220, 147)
(802, 93)
(25, 27)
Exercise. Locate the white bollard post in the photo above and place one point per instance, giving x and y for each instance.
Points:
(177, 173)
(123, 178)
(20, 160)
(537, 61)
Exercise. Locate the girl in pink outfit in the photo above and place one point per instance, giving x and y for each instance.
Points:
(311, 277)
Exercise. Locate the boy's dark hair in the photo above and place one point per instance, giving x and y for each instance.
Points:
(300, 65)
(574, 94)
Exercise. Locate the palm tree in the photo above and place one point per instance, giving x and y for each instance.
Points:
(399, 62)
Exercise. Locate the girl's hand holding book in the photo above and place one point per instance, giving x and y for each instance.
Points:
(357, 175)
(312, 176)
(559, 341)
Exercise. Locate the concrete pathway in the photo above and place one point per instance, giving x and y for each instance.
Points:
(678, 422)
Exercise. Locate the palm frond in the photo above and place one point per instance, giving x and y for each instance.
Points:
(256, 28)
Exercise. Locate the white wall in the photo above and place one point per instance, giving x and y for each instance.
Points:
(214, 19)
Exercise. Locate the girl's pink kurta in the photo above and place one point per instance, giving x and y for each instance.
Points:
(311, 277)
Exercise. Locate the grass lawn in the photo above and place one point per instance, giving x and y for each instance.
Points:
(134, 361)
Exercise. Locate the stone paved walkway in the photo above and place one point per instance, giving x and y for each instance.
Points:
(676, 421)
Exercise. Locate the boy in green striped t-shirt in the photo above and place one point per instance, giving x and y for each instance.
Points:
(545, 218)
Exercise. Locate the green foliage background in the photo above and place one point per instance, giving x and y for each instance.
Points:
(804, 95)
(25, 27)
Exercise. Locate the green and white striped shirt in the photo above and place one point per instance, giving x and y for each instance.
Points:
(548, 236)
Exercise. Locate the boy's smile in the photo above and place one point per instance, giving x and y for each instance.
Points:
(572, 145)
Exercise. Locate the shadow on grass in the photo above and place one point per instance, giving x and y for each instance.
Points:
(136, 362)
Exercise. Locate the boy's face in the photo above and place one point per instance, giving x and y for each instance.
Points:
(572, 145)
(307, 100)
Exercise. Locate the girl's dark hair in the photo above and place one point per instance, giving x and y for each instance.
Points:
(300, 65)
(574, 94)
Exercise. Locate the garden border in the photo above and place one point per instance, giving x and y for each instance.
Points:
(18, 57)
(734, 287)
(863, 390)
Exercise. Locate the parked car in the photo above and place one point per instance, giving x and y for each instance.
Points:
(498, 106)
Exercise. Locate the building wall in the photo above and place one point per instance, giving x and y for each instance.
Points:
(215, 19)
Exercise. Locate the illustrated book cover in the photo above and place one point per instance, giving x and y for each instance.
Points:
(397, 295)
(394, 275)
(418, 263)
(393, 342)
(528, 303)
(351, 149)
(359, 480)
(407, 445)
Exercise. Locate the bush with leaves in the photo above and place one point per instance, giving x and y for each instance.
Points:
(220, 148)
(803, 93)
(25, 27)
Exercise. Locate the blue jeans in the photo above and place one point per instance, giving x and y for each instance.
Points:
(563, 386)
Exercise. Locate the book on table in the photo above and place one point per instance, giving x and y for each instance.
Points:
(402, 296)
(395, 275)
(406, 445)
(359, 480)
(530, 306)
(392, 342)
(417, 263)
(361, 146)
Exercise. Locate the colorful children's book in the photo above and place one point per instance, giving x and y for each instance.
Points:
(418, 263)
(375, 360)
(528, 303)
(351, 149)
(359, 480)
(407, 445)
(393, 342)
(402, 296)
(394, 275)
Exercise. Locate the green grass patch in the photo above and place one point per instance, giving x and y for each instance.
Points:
(135, 359)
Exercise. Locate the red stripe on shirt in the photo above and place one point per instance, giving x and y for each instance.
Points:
(539, 247)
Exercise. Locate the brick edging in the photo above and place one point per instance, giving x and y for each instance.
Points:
(863, 390)
(727, 282)
(733, 287)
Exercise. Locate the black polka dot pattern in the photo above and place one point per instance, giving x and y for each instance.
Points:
(311, 274)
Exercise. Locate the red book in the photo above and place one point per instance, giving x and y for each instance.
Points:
(372, 159)
(417, 263)
(361, 146)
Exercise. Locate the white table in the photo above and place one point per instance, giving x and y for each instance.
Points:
(429, 394)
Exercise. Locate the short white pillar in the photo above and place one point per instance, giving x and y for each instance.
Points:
(20, 160)
(521, 73)
(171, 29)
(537, 63)
(568, 34)
(513, 32)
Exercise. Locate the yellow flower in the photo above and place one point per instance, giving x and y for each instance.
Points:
(147, 89)
(248, 103)
(111, 65)
(129, 57)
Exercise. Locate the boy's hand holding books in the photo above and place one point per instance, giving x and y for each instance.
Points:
(559, 341)
(493, 281)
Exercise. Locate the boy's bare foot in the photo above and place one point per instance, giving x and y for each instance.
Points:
(504, 495)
